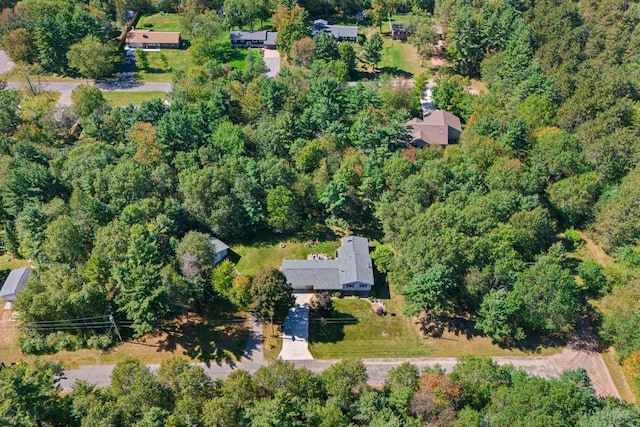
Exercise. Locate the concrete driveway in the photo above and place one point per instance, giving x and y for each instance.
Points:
(295, 345)
(272, 61)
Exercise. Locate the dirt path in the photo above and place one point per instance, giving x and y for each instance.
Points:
(596, 251)
(582, 352)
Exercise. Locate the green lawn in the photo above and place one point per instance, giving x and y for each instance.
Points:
(399, 59)
(177, 59)
(124, 98)
(255, 257)
(356, 331)
(359, 332)
(161, 22)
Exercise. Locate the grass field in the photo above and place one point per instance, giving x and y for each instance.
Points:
(8, 262)
(619, 379)
(177, 59)
(254, 258)
(161, 22)
(359, 332)
(124, 98)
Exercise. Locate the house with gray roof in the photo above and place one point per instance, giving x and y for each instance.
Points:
(350, 271)
(340, 32)
(15, 283)
(257, 39)
(439, 127)
(221, 249)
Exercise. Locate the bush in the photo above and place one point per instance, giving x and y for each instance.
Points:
(573, 238)
(595, 282)
(34, 343)
(101, 342)
(337, 294)
(60, 341)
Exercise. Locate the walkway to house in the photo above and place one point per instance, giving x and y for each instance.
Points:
(295, 344)
(272, 61)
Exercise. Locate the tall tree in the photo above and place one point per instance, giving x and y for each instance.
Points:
(271, 295)
(92, 58)
(373, 50)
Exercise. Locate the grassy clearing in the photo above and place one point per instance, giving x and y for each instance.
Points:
(177, 59)
(255, 257)
(218, 335)
(8, 262)
(16, 75)
(617, 374)
(399, 59)
(124, 98)
(161, 22)
(272, 344)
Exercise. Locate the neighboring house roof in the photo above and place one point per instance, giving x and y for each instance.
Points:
(15, 282)
(338, 31)
(268, 37)
(397, 28)
(353, 264)
(434, 128)
(156, 37)
(219, 245)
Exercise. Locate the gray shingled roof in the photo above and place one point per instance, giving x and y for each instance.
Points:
(248, 35)
(219, 244)
(355, 260)
(338, 31)
(353, 264)
(321, 274)
(15, 282)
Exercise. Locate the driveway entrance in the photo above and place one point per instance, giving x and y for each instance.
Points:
(295, 344)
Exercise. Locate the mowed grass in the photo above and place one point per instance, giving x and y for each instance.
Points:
(9, 262)
(177, 59)
(359, 332)
(124, 98)
(161, 22)
(258, 256)
(354, 330)
(618, 376)
(272, 344)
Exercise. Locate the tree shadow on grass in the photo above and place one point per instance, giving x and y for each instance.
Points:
(436, 325)
(219, 337)
(381, 286)
(329, 329)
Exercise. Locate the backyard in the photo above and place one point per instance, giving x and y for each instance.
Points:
(253, 258)
(161, 22)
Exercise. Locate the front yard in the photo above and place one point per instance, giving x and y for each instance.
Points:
(129, 97)
(161, 71)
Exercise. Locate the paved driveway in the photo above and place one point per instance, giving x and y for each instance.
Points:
(295, 344)
(272, 61)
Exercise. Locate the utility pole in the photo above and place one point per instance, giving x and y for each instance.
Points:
(113, 322)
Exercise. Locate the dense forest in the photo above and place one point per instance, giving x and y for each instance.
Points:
(118, 216)
(477, 392)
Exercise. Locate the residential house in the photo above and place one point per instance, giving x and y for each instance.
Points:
(15, 283)
(399, 32)
(350, 271)
(257, 39)
(439, 127)
(221, 248)
(147, 39)
(340, 32)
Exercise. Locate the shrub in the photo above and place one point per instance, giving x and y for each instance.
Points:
(101, 342)
(337, 294)
(573, 238)
(595, 281)
(34, 343)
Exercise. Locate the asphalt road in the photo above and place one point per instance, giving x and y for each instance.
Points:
(377, 369)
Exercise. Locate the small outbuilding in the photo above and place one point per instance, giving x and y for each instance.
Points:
(439, 127)
(399, 32)
(221, 249)
(15, 283)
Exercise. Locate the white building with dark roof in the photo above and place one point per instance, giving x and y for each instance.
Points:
(351, 270)
(15, 283)
(221, 250)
